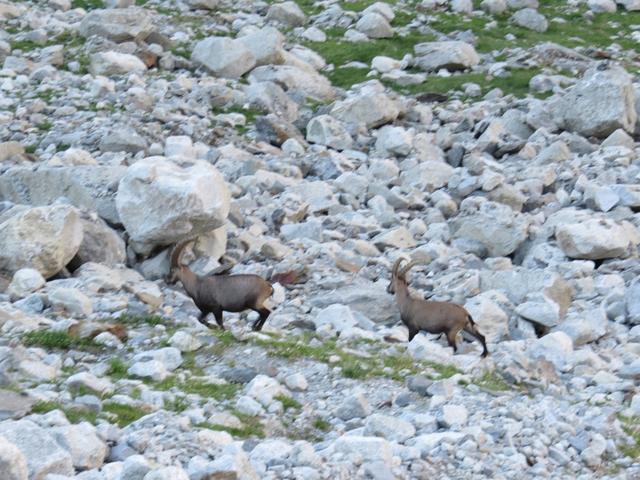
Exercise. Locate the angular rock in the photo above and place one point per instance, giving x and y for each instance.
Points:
(71, 301)
(24, 282)
(100, 244)
(87, 449)
(530, 18)
(223, 57)
(179, 202)
(354, 406)
(602, 102)
(554, 347)
(597, 239)
(266, 45)
(123, 140)
(452, 55)
(264, 389)
(54, 236)
(326, 130)
(371, 109)
(391, 428)
(374, 25)
(293, 78)
(494, 225)
(43, 454)
(115, 63)
(13, 464)
(287, 13)
(117, 25)
(367, 448)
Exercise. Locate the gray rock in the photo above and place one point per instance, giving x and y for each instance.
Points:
(462, 6)
(326, 130)
(452, 55)
(529, 18)
(354, 406)
(85, 380)
(453, 416)
(239, 374)
(13, 464)
(87, 449)
(91, 188)
(367, 448)
(185, 342)
(54, 236)
(391, 428)
(597, 238)
(134, 467)
(266, 45)
(223, 57)
(71, 301)
(123, 140)
(494, 7)
(287, 13)
(100, 244)
(234, 465)
(520, 4)
(602, 102)
(179, 202)
(117, 25)
(272, 98)
(554, 347)
(495, 225)
(115, 63)
(584, 323)
(311, 229)
(264, 389)
(296, 382)
(292, 78)
(14, 405)
(372, 109)
(43, 454)
(374, 25)
(167, 473)
(602, 6)
(419, 384)
(24, 282)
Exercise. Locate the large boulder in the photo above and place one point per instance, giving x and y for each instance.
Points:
(117, 25)
(495, 225)
(223, 56)
(13, 465)
(602, 102)
(91, 188)
(452, 55)
(292, 78)
(370, 108)
(87, 449)
(597, 238)
(178, 201)
(42, 238)
(39, 448)
(100, 244)
(326, 130)
(374, 25)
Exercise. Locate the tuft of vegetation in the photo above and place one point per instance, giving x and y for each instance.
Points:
(492, 381)
(73, 414)
(288, 403)
(251, 426)
(117, 368)
(321, 424)
(124, 414)
(141, 320)
(178, 404)
(45, 126)
(224, 391)
(87, 4)
(57, 340)
(631, 426)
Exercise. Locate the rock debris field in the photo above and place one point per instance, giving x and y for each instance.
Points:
(314, 143)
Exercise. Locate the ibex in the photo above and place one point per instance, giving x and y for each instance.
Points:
(221, 292)
(433, 317)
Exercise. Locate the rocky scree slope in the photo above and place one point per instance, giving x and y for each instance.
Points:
(494, 142)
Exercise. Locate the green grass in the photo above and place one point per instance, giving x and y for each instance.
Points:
(225, 340)
(87, 4)
(178, 404)
(288, 403)
(125, 414)
(117, 369)
(30, 149)
(45, 126)
(73, 414)
(355, 366)
(631, 426)
(493, 382)
(223, 391)
(57, 340)
(141, 320)
(251, 426)
(321, 424)
(26, 45)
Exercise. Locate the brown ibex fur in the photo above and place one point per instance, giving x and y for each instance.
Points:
(221, 292)
(433, 317)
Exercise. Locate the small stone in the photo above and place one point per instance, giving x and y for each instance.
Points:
(453, 416)
(24, 282)
(296, 382)
(287, 13)
(391, 428)
(185, 342)
(374, 25)
(354, 406)
(529, 18)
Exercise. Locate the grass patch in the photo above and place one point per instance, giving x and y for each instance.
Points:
(140, 320)
(178, 404)
(354, 366)
(30, 149)
(288, 403)
(216, 391)
(57, 340)
(87, 4)
(225, 340)
(631, 426)
(45, 126)
(492, 381)
(126, 414)
(74, 415)
(26, 45)
(251, 426)
(117, 369)
(321, 424)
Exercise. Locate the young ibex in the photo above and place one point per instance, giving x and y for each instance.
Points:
(221, 292)
(433, 317)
